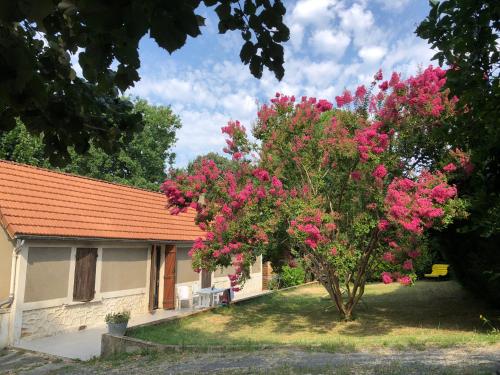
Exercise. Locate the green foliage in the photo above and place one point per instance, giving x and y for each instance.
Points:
(465, 35)
(39, 85)
(20, 146)
(117, 318)
(291, 276)
(139, 162)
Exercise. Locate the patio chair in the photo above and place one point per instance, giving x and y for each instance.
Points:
(195, 296)
(183, 294)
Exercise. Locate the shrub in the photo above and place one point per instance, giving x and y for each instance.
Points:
(291, 276)
(117, 318)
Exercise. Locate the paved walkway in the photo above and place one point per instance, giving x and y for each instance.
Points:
(86, 344)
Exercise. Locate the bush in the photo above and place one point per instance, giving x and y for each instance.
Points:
(291, 276)
(117, 318)
(429, 254)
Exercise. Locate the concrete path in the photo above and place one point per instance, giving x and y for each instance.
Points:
(86, 344)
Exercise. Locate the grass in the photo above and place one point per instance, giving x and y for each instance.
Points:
(428, 314)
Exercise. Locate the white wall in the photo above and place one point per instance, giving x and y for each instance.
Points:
(4, 327)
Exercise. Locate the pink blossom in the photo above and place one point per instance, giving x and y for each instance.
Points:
(324, 105)
(383, 225)
(378, 76)
(387, 278)
(333, 251)
(389, 257)
(360, 93)
(380, 171)
(408, 265)
(404, 280)
(276, 182)
(450, 168)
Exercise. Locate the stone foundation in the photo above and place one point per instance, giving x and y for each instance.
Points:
(66, 318)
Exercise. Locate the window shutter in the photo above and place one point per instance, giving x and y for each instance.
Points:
(85, 270)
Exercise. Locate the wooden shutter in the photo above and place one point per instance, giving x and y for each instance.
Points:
(85, 270)
(169, 277)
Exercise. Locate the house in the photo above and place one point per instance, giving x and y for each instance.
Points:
(73, 249)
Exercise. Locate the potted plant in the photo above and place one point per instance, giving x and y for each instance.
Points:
(117, 322)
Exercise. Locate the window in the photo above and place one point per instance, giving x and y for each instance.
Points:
(85, 270)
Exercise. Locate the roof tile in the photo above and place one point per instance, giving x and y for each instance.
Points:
(40, 202)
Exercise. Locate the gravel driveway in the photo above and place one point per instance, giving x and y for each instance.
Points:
(484, 360)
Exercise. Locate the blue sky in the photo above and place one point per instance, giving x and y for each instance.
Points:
(334, 44)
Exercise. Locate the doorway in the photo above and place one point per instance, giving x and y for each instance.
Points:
(154, 277)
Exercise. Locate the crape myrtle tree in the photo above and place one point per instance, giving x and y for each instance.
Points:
(337, 187)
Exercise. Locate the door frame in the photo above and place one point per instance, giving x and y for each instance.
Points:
(154, 277)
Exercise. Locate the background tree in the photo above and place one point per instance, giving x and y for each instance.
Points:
(222, 162)
(465, 34)
(139, 162)
(338, 188)
(39, 85)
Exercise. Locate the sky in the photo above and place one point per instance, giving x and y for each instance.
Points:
(334, 44)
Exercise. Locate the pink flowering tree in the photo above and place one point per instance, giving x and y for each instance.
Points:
(338, 187)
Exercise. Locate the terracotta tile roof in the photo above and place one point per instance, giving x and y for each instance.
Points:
(35, 201)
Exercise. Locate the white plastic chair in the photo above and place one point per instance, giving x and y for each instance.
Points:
(183, 294)
(195, 296)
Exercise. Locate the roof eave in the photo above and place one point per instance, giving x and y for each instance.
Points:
(101, 239)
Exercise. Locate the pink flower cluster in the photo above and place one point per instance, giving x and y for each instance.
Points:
(421, 95)
(415, 204)
(371, 139)
(388, 278)
(312, 230)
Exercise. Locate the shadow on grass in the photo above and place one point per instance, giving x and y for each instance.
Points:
(309, 310)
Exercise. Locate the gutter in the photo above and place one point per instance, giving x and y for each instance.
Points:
(100, 239)
(15, 254)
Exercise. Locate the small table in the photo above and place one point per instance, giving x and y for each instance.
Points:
(207, 295)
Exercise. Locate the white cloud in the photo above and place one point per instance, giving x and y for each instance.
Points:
(372, 54)
(330, 43)
(393, 5)
(314, 12)
(356, 18)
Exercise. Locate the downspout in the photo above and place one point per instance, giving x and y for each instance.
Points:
(13, 271)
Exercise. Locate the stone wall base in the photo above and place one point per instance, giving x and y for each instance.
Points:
(69, 318)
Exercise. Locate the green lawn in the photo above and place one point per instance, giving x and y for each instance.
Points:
(426, 314)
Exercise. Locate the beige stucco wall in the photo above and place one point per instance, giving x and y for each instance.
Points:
(6, 248)
(123, 268)
(184, 271)
(256, 268)
(252, 286)
(47, 274)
